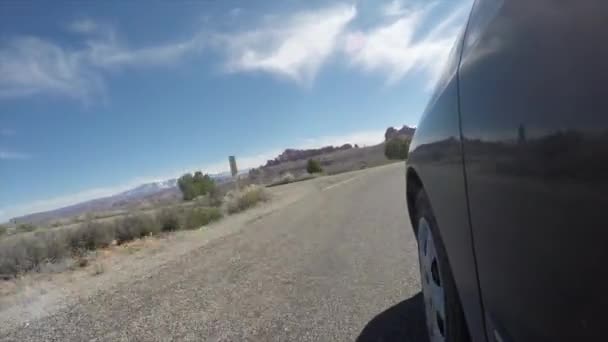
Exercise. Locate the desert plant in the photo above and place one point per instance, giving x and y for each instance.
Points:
(90, 236)
(198, 217)
(135, 226)
(56, 245)
(197, 185)
(285, 178)
(396, 148)
(313, 166)
(249, 196)
(24, 253)
(25, 227)
(168, 219)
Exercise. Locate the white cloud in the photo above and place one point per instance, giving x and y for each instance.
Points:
(394, 8)
(84, 26)
(30, 65)
(394, 48)
(294, 48)
(9, 155)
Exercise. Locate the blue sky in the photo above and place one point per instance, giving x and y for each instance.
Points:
(99, 97)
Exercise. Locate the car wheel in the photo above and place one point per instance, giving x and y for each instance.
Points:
(444, 317)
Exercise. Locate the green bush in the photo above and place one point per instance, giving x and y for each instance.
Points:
(194, 186)
(3, 230)
(313, 166)
(198, 217)
(168, 219)
(396, 148)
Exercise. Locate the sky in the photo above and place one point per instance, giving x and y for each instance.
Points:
(98, 97)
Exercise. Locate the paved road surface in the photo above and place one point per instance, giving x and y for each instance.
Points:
(339, 264)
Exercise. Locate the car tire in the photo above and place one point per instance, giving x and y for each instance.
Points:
(438, 286)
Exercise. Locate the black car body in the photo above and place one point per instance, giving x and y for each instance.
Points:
(512, 154)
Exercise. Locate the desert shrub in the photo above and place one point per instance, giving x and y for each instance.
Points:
(135, 226)
(313, 166)
(396, 148)
(244, 199)
(287, 177)
(25, 253)
(198, 217)
(90, 236)
(57, 246)
(26, 227)
(12, 257)
(197, 185)
(168, 219)
(3, 230)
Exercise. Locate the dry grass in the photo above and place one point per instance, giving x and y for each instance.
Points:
(38, 251)
(198, 217)
(246, 198)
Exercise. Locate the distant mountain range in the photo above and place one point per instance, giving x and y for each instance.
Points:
(152, 193)
(292, 154)
(167, 191)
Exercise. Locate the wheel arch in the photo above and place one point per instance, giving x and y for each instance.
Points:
(413, 186)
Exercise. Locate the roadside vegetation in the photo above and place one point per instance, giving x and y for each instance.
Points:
(313, 166)
(33, 248)
(396, 148)
(248, 197)
(197, 185)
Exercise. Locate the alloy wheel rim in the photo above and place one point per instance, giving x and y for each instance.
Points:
(432, 285)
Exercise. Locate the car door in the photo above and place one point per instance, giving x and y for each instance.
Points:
(534, 121)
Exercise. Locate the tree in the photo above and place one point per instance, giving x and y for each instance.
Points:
(396, 148)
(186, 186)
(197, 185)
(313, 166)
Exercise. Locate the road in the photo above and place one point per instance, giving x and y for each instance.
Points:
(337, 264)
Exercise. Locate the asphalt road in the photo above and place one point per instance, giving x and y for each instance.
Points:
(338, 264)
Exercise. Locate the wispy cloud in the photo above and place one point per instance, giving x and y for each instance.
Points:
(31, 65)
(85, 26)
(394, 8)
(294, 48)
(11, 155)
(395, 49)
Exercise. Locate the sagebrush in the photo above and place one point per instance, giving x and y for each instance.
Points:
(247, 197)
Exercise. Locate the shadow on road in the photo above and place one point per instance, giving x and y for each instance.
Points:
(402, 322)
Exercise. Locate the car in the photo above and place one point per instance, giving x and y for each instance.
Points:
(507, 177)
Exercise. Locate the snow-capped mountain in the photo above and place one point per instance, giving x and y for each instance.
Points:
(148, 188)
(153, 192)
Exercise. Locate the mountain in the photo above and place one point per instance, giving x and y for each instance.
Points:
(292, 154)
(145, 194)
(148, 188)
